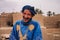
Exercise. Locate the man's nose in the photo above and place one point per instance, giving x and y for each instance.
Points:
(26, 16)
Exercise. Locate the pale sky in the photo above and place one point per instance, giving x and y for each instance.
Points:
(16, 5)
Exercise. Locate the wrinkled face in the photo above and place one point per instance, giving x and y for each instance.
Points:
(26, 15)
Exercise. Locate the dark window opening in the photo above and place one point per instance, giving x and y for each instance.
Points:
(9, 23)
(58, 24)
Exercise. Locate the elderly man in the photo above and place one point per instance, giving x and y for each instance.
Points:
(26, 29)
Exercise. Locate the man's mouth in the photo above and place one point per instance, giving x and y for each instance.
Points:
(26, 18)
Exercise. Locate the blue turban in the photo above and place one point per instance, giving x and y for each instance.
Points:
(29, 8)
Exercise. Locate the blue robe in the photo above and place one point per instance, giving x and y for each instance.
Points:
(35, 34)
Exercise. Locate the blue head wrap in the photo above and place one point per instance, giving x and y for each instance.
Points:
(29, 8)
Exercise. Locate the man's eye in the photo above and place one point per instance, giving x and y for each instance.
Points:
(24, 13)
(29, 14)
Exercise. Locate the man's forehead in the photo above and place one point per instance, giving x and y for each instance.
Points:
(27, 11)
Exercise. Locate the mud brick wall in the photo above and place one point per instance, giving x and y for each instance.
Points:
(17, 16)
(4, 18)
(52, 22)
(53, 33)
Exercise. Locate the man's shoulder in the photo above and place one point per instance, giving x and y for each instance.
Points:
(18, 22)
(35, 22)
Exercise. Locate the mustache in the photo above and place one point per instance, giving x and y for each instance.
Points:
(26, 18)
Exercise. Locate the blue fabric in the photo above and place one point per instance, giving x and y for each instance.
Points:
(35, 34)
(29, 8)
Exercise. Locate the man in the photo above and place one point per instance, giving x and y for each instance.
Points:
(26, 29)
